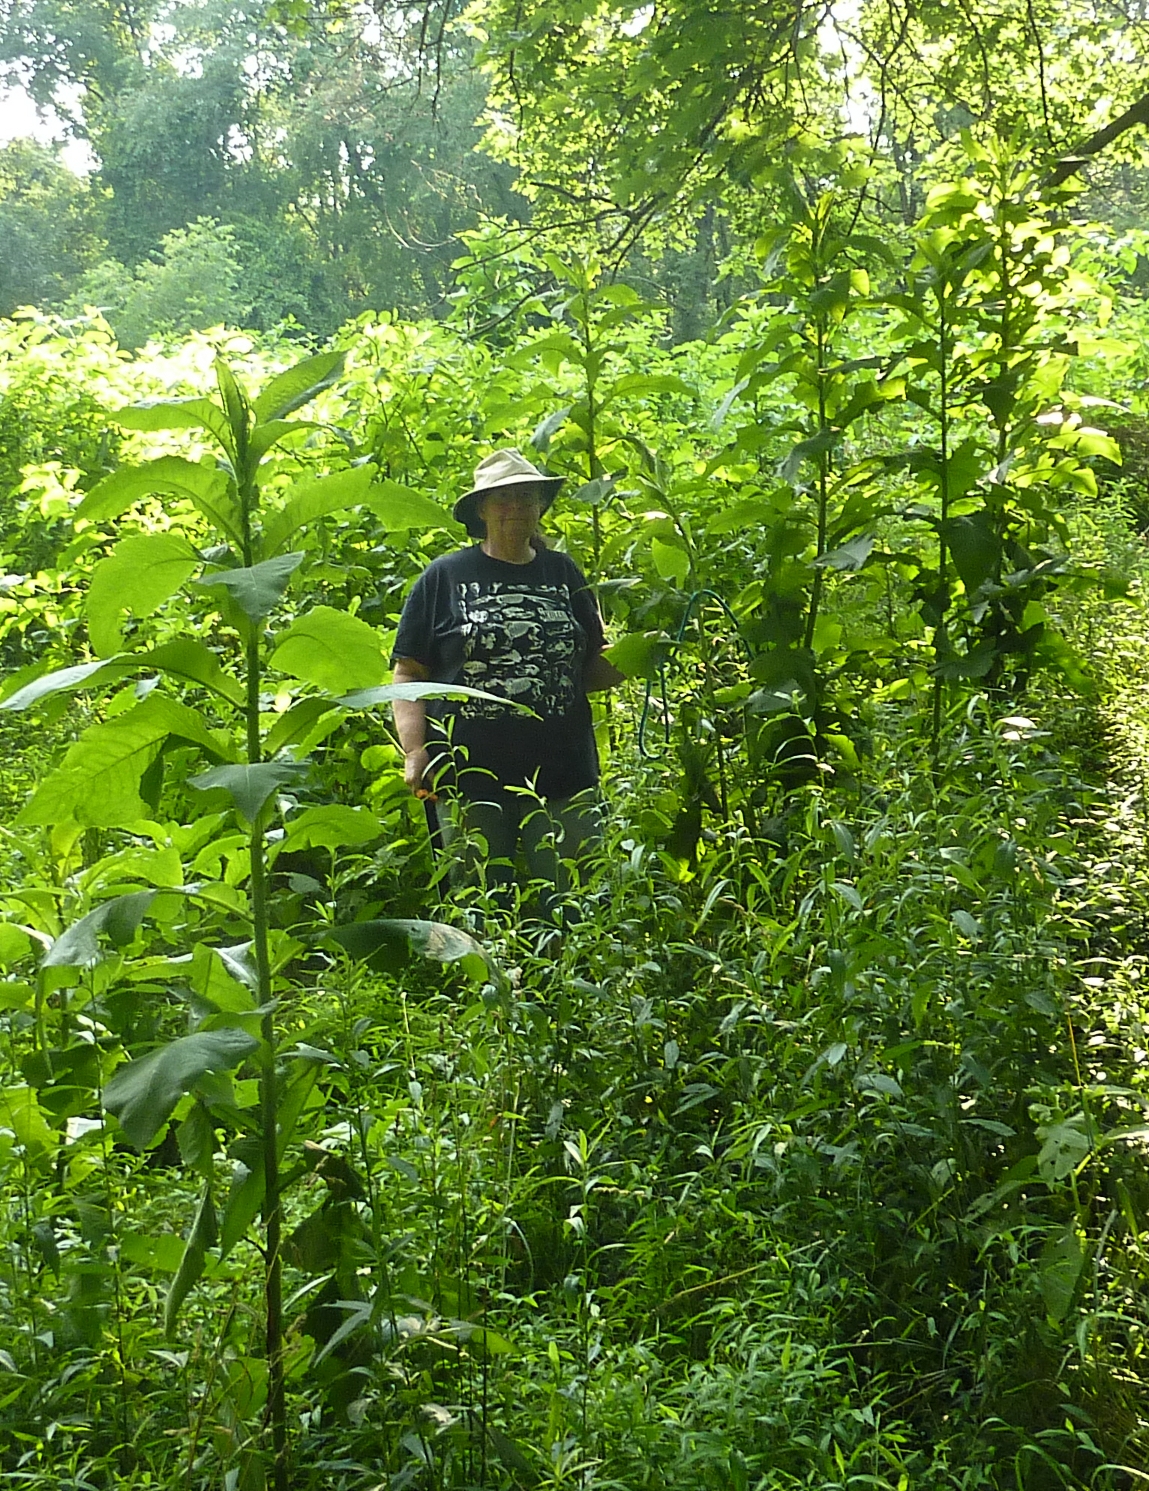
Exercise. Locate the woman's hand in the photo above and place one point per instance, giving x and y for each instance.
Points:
(416, 765)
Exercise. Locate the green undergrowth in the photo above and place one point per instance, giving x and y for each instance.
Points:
(818, 1164)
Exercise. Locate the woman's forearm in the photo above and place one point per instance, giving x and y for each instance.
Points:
(410, 717)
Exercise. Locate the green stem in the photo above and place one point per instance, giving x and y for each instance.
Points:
(944, 492)
(271, 1211)
(823, 487)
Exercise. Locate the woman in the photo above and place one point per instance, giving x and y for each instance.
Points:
(517, 620)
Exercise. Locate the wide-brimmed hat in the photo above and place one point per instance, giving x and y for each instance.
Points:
(503, 468)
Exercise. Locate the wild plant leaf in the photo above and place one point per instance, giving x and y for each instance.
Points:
(150, 415)
(204, 486)
(314, 499)
(98, 783)
(142, 1094)
(387, 693)
(387, 943)
(849, 557)
(670, 560)
(398, 507)
(58, 682)
(594, 493)
(331, 649)
(638, 654)
(234, 403)
(645, 385)
(296, 723)
(332, 826)
(249, 787)
(192, 662)
(258, 589)
(298, 385)
(548, 428)
(140, 573)
(119, 918)
(974, 547)
(245, 1195)
(203, 1235)
(1059, 1268)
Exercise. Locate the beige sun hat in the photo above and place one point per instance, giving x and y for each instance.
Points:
(502, 468)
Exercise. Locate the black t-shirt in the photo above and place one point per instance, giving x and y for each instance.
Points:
(522, 632)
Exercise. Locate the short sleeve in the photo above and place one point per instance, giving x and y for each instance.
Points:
(415, 638)
(584, 603)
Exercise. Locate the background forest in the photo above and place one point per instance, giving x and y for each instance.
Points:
(816, 1154)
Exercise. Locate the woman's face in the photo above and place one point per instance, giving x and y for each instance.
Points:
(513, 511)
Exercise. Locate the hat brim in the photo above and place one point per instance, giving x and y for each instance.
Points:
(466, 512)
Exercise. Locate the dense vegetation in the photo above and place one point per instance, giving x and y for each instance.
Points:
(815, 1155)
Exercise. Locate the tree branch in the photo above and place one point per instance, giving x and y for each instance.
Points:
(1069, 164)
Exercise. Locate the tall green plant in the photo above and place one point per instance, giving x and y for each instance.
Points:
(112, 777)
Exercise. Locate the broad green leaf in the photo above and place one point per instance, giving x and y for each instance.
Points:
(21, 1114)
(204, 486)
(143, 1093)
(639, 654)
(163, 1252)
(671, 562)
(98, 783)
(55, 683)
(176, 414)
(298, 385)
(974, 547)
(850, 557)
(192, 662)
(1063, 1147)
(594, 493)
(258, 589)
(140, 573)
(296, 723)
(332, 650)
(1059, 1268)
(203, 1235)
(15, 944)
(310, 500)
(386, 944)
(119, 918)
(330, 827)
(249, 787)
(398, 507)
(643, 385)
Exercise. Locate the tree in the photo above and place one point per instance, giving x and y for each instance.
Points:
(47, 224)
(193, 283)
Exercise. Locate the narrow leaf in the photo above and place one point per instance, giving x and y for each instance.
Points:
(176, 414)
(55, 683)
(203, 1235)
(387, 693)
(298, 385)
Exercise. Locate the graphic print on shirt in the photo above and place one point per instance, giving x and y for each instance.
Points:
(521, 643)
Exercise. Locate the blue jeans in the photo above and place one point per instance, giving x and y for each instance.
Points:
(483, 839)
